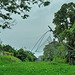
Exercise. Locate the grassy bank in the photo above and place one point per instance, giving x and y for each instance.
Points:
(8, 59)
(36, 68)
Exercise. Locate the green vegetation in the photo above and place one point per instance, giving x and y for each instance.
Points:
(22, 54)
(55, 51)
(16, 62)
(37, 68)
(10, 65)
(8, 59)
(62, 50)
(25, 55)
(59, 59)
(64, 20)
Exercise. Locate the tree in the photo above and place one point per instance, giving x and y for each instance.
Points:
(25, 55)
(1, 48)
(65, 27)
(64, 18)
(70, 38)
(8, 48)
(51, 49)
(21, 54)
(20, 7)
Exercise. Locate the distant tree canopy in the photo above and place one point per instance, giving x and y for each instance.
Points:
(53, 49)
(21, 54)
(8, 48)
(1, 48)
(25, 55)
(20, 7)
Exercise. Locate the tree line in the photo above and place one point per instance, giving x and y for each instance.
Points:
(22, 54)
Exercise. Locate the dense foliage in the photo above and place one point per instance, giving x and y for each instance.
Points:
(21, 54)
(8, 48)
(53, 51)
(64, 20)
(25, 55)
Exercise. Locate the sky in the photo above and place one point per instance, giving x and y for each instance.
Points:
(27, 32)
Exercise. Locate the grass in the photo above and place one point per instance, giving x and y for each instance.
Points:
(8, 59)
(36, 68)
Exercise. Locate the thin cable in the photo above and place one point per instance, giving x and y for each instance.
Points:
(43, 43)
(39, 39)
(39, 44)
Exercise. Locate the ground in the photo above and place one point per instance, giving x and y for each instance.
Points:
(36, 68)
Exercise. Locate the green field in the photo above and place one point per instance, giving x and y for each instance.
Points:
(36, 68)
(8, 59)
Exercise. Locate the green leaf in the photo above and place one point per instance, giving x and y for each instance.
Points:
(46, 3)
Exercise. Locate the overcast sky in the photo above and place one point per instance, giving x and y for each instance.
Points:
(27, 32)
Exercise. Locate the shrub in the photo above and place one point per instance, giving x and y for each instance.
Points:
(25, 55)
(7, 53)
(59, 59)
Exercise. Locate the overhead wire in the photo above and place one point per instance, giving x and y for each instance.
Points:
(41, 42)
(40, 39)
(44, 43)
